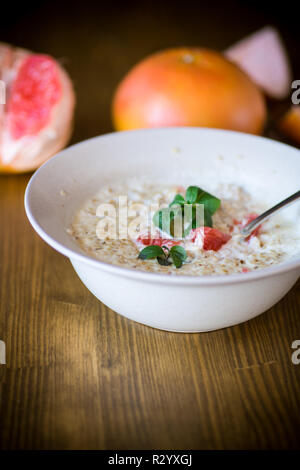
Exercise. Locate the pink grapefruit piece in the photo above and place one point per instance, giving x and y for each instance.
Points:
(146, 240)
(209, 238)
(37, 118)
(263, 57)
(246, 220)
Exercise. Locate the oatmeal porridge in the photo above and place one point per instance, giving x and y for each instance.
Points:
(121, 225)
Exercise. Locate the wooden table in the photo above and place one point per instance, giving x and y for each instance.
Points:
(79, 376)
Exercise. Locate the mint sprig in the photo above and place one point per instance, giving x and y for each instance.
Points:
(151, 252)
(164, 256)
(165, 219)
(196, 195)
(178, 199)
(178, 255)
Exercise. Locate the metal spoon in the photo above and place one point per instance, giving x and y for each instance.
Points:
(248, 229)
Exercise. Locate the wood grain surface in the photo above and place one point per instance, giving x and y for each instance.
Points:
(79, 376)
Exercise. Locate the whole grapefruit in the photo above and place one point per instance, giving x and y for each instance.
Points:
(188, 87)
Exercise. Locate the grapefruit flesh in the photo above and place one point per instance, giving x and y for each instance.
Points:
(36, 121)
(209, 238)
(34, 92)
(157, 240)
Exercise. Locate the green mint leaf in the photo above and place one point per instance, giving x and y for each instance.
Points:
(192, 194)
(178, 255)
(211, 203)
(197, 219)
(207, 219)
(178, 200)
(176, 260)
(187, 230)
(165, 219)
(151, 252)
(172, 219)
(179, 251)
(163, 260)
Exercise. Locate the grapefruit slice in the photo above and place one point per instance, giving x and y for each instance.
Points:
(263, 57)
(209, 238)
(289, 124)
(36, 121)
(156, 240)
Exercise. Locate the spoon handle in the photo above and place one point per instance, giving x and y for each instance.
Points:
(248, 229)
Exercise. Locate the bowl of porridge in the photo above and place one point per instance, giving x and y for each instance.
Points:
(151, 222)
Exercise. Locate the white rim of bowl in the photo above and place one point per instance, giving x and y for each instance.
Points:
(152, 277)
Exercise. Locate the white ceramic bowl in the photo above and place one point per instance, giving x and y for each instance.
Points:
(174, 303)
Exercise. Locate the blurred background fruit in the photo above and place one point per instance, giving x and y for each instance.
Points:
(36, 120)
(289, 124)
(263, 57)
(188, 87)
